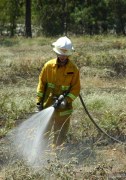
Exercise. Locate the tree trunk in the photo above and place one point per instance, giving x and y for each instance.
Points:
(28, 31)
(12, 28)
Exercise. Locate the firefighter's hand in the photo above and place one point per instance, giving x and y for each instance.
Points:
(39, 106)
(63, 104)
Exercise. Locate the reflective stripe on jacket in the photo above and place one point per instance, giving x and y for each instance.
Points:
(58, 80)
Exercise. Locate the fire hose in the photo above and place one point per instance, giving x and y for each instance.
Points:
(61, 98)
(97, 126)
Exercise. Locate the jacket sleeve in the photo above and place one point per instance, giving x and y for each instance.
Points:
(75, 87)
(41, 85)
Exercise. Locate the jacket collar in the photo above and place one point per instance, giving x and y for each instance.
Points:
(60, 64)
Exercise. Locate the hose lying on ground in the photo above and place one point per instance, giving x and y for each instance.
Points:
(97, 126)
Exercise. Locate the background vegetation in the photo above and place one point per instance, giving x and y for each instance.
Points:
(57, 17)
(88, 154)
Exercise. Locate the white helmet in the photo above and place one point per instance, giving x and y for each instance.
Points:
(63, 46)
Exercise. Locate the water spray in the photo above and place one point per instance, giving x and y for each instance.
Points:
(28, 139)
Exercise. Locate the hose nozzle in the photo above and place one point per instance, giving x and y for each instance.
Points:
(58, 101)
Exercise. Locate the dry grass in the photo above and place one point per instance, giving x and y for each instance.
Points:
(88, 154)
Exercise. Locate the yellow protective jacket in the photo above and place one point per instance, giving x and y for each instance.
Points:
(54, 80)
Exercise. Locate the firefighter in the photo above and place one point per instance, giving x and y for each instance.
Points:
(59, 76)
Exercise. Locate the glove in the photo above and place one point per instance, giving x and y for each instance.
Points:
(63, 104)
(39, 106)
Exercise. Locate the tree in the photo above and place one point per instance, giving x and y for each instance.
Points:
(9, 14)
(118, 15)
(50, 17)
(28, 31)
